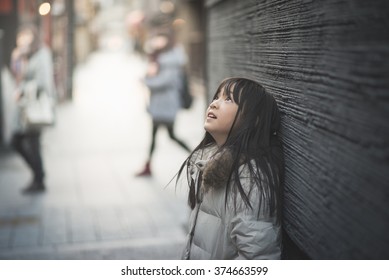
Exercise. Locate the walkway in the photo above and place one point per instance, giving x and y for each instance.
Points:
(94, 207)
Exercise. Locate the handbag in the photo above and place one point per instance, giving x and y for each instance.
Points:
(37, 107)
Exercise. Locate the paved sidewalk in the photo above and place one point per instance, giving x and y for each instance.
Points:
(94, 207)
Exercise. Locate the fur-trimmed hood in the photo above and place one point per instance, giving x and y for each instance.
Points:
(215, 170)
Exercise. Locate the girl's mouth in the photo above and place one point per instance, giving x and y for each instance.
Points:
(211, 115)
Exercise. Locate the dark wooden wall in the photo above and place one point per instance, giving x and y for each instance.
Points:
(327, 63)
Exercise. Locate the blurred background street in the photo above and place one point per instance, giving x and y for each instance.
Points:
(94, 207)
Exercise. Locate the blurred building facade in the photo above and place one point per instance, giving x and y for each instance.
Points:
(72, 28)
(56, 31)
(188, 19)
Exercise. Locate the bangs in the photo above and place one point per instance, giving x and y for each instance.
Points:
(233, 87)
(241, 90)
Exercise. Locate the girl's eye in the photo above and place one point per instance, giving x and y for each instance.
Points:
(228, 98)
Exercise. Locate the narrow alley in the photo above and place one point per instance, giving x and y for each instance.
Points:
(94, 207)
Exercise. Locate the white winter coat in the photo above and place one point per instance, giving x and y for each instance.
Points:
(220, 232)
(39, 69)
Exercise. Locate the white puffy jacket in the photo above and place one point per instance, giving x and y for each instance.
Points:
(225, 232)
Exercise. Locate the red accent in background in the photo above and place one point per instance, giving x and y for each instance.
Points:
(6, 6)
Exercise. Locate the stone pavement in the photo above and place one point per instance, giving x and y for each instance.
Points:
(94, 207)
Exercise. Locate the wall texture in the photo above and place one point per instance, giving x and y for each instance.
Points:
(327, 63)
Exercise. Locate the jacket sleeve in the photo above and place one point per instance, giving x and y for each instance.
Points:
(41, 69)
(255, 236)
(255, 239)
(161, 81)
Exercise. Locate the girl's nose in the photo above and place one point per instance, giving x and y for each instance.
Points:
(213, 104)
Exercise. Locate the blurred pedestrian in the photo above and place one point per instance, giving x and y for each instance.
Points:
(235, 176)
(164, 80)
(135, 23)
(31, 61)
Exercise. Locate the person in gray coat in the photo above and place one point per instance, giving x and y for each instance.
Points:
(164, 79)
(235, 177)
(31, 61)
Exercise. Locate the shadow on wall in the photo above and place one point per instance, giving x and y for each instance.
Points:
(290, 251)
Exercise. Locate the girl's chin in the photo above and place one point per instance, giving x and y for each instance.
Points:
(207, 128)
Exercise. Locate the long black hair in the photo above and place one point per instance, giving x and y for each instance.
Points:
(253, 140)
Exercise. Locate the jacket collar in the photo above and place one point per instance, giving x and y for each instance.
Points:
(215, 170)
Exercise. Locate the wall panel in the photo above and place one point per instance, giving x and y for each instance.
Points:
(327, 63)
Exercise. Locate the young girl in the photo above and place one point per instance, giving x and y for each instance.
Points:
(235, 177)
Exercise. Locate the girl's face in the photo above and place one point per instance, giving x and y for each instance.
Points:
(220, 116)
